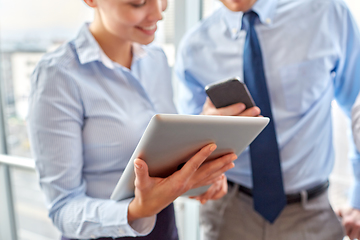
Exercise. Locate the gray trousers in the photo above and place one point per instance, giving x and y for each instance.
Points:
(233, 218)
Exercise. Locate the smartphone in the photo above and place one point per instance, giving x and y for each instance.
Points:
(229, 92)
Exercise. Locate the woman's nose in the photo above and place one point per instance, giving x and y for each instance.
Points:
(157, 7)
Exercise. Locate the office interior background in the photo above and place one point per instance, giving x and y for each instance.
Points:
(28, 29)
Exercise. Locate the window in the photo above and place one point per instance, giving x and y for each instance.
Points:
(29, 29)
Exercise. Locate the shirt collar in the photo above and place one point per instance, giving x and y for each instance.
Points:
(89, 50)
(233, 21)
(86, 46)
(138, 53)
(264, 8)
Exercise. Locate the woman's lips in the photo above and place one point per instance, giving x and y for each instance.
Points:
(149, 30)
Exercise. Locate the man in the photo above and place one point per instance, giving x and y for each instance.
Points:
(295, 57)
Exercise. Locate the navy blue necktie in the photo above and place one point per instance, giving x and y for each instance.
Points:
(268, 191)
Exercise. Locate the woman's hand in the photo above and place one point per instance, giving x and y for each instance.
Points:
(216, 191)
(237, 109)
(153, 194)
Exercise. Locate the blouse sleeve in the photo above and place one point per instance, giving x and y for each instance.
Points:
(55, 124)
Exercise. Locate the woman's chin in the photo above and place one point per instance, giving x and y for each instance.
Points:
(146, 41)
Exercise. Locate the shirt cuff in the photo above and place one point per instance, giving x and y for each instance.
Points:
(143, 226)
(139, 227)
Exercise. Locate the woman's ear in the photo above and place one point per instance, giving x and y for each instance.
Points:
(91, 3)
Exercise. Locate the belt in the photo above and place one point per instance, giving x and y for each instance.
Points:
(294, 197)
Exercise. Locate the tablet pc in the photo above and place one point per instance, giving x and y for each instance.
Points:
(171, 139)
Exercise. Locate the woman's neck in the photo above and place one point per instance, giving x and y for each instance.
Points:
(116, 49)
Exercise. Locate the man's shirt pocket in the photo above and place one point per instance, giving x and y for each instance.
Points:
(304, 83)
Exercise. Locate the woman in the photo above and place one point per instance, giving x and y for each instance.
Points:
(90, 102)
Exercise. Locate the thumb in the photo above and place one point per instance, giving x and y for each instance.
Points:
(141, 173)
(209, 102)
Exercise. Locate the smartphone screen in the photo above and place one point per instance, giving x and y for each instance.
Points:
(229, 92)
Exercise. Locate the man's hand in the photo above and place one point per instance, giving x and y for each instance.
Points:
(237, 109)
(216, 190)
(351, 222)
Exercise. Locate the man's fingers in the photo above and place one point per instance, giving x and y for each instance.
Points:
(251, 112)
(209, 103)
(350, 221)
(232, 110)
(141, 173)
(203, 198)
(208, 108)
(223, 189)
(338, 212)
(216, 191)
(352, 229)
(349, 233)
(356, 234)
(348, 227)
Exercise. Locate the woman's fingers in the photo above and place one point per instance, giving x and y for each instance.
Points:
(213, 169)
(142, 178)
(195, 162)
(218, 163)
(213, 177)
(152, 194)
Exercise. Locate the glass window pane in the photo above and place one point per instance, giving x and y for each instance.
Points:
(28, 29)
(165, 33)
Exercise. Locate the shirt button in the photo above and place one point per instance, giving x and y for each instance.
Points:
(268, 20)
(234, 30)
(93, 236)
(121, 231)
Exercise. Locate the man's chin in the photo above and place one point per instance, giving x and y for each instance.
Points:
(238, 5)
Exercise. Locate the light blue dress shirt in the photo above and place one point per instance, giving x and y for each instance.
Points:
(311, 54)
(87, 114)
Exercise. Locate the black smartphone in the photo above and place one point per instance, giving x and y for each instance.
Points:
(229, 92)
